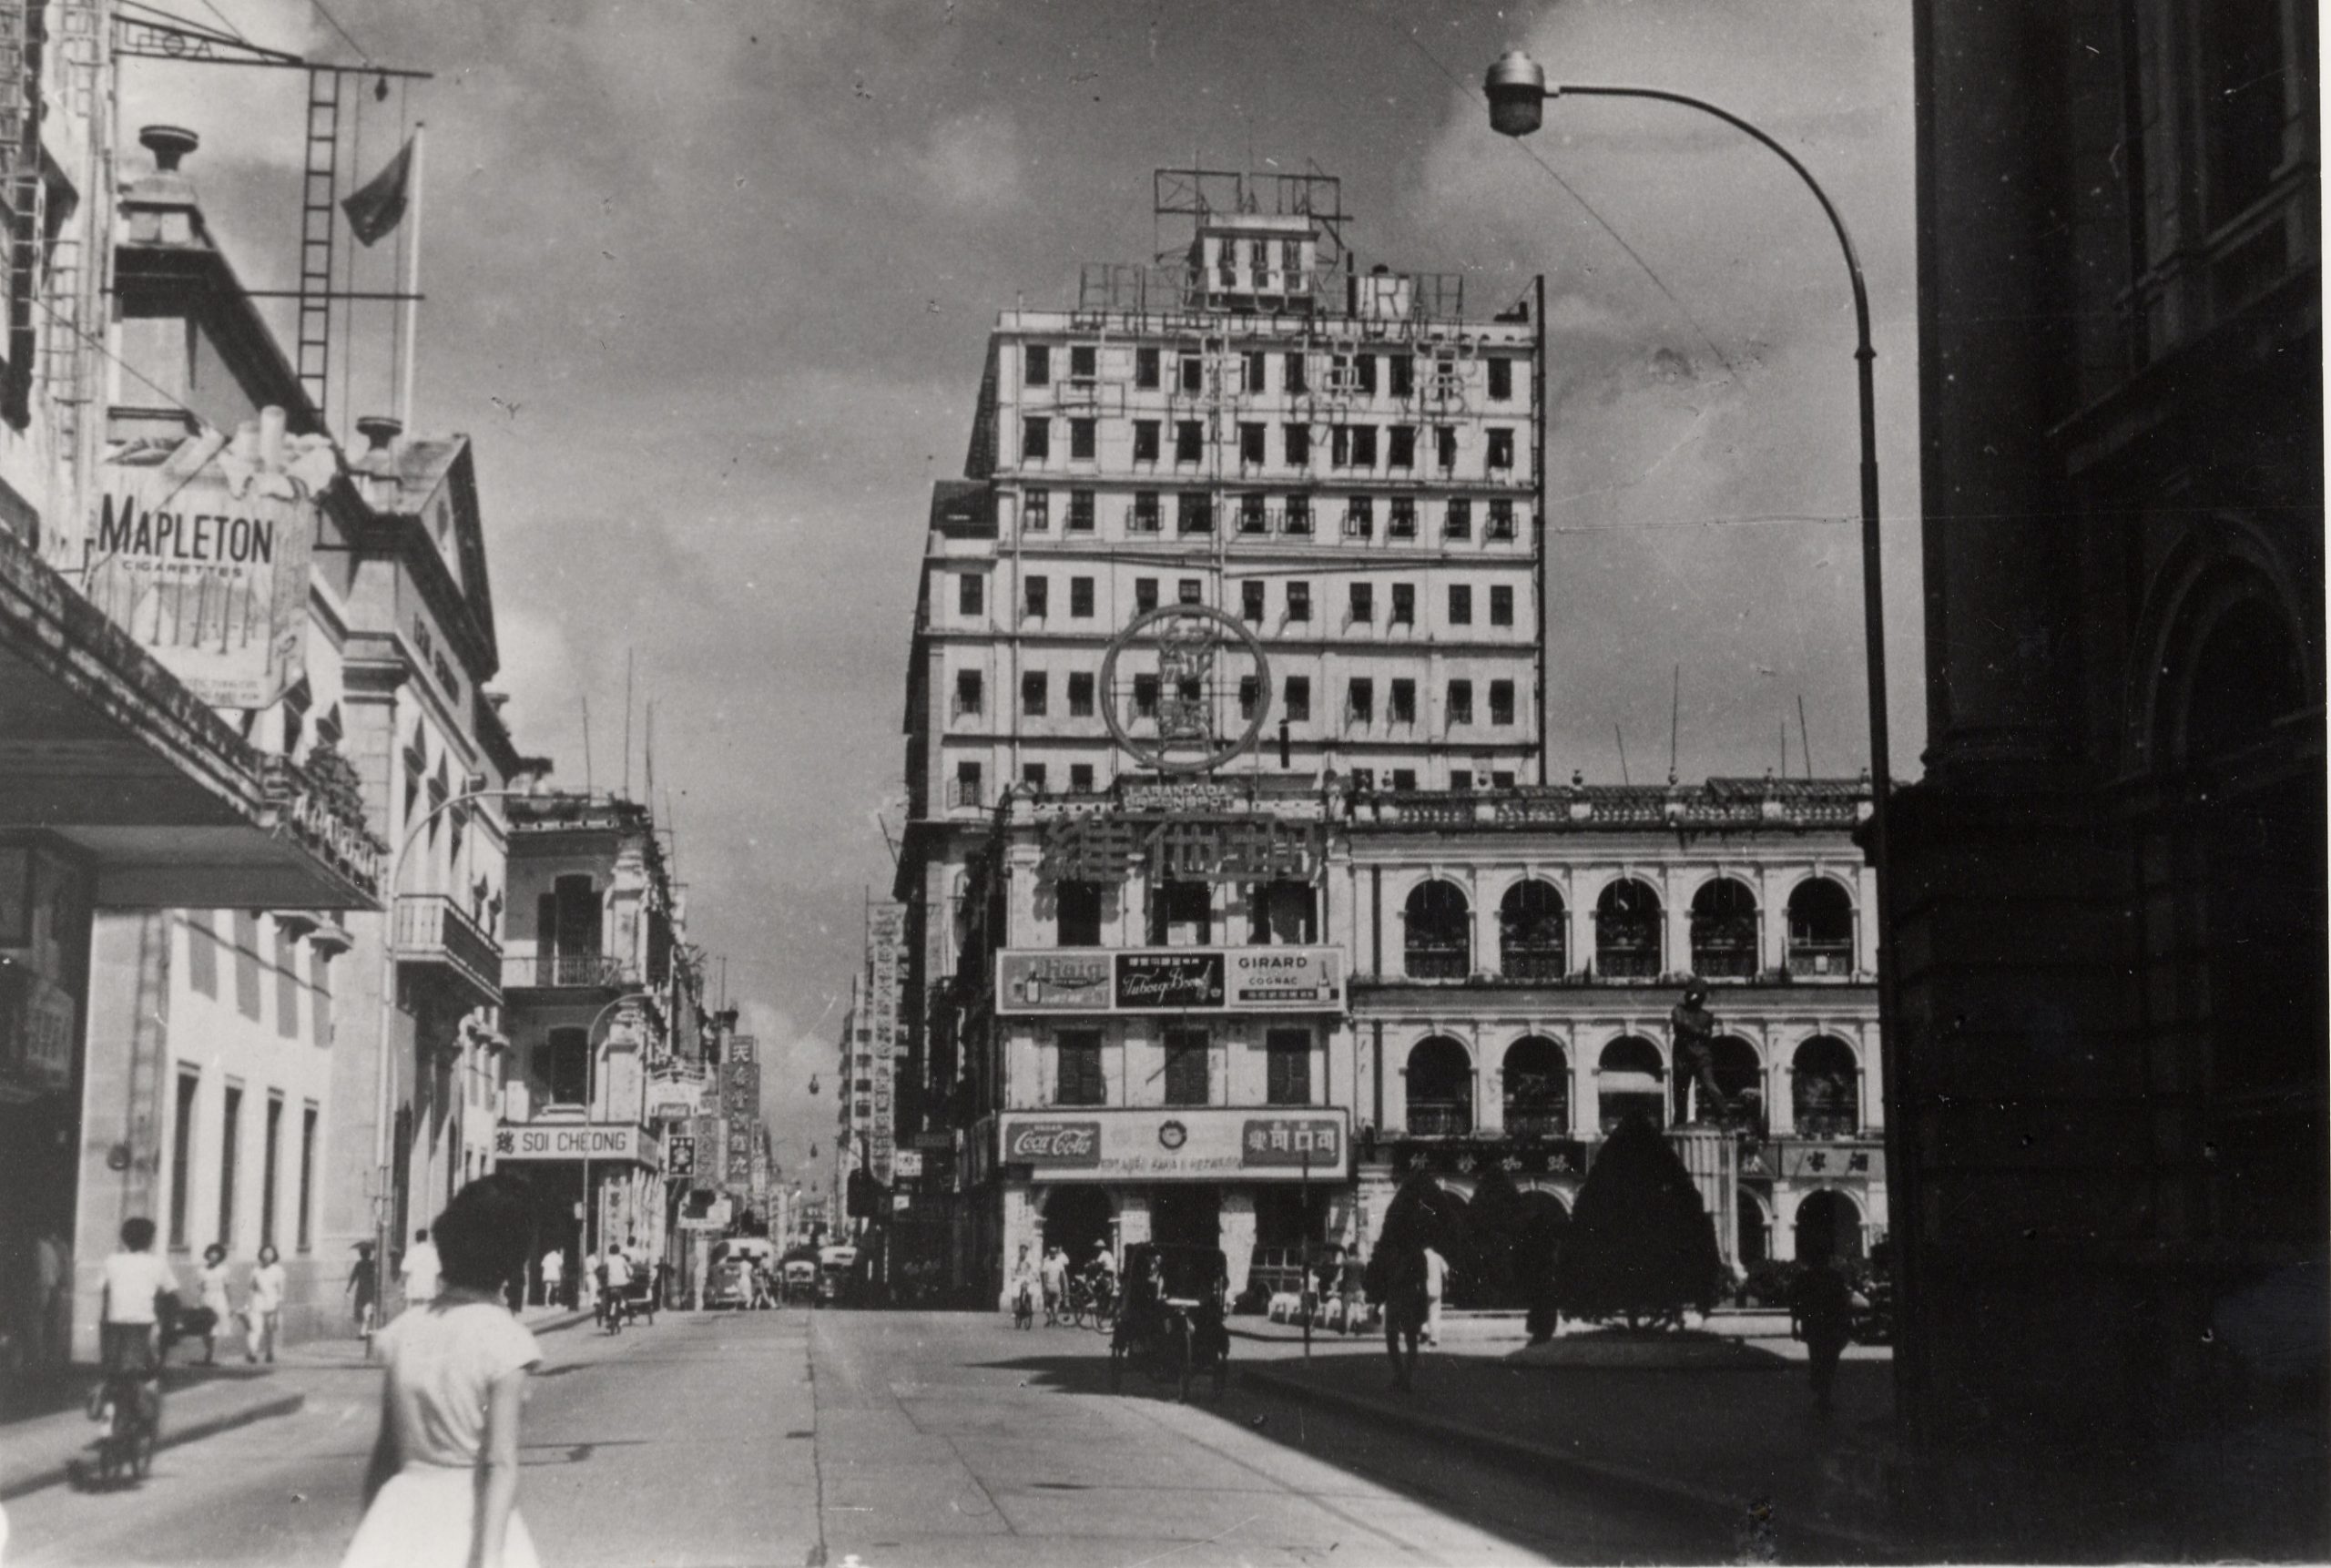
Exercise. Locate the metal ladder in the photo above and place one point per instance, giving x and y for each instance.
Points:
(319, 187)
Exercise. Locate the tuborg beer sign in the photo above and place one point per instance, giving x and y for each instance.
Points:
(1169, 980)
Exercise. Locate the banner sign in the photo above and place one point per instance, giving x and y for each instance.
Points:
(1169, 980)
(574, 1141)
(1167, 1144)
(201, 555)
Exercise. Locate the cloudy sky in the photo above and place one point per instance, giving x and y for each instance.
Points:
(709, 284)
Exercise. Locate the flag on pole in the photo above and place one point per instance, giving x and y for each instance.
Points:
(379, 205)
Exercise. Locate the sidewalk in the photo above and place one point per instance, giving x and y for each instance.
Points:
(199, 1401)
(1718, 1442)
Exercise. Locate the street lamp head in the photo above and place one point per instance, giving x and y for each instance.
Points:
(1516, 85)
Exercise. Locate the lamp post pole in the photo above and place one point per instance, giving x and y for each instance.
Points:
(383, 1144)
(1518, 90)
(590, 1106)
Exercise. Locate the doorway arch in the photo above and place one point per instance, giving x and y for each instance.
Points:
(1077, 1219)
(1829, 1224)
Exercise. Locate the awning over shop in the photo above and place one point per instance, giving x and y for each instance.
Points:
(102, 746)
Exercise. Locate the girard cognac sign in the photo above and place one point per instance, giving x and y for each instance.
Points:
(1169, 980)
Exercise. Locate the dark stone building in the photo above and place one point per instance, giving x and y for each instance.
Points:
(2109, 896)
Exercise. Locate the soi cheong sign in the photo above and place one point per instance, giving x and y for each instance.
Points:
(576, 1141)
(1194, 1144)
(1169, 980)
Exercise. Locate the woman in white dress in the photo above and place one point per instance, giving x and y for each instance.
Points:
(214, 1280)
(443, 1490)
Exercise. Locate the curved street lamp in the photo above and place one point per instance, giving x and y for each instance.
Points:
(1517, 89)
(591, 1100)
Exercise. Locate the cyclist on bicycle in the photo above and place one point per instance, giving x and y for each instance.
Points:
(1022, 1291)
(140, 1289)
(1102, 1274)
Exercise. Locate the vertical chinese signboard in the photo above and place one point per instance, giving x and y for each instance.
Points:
(886, 930)
(740, 1106)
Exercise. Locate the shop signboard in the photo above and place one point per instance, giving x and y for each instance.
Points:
(907, 1163)
(1030, 982)
(674, 1099)
(1179, 1143)
(616, 1144)
(680, 1156)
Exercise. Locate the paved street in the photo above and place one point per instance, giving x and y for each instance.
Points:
(800, 1439)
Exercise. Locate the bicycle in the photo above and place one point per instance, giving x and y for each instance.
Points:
(130, 1401)
(1023, 1309)
(1080, 1301)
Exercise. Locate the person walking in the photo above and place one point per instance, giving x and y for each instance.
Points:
(263, 1305)
(1823, 1305)
(441, 1491)
(362, 1290)
(1436, 1275)
(618, 1282)
(1402, 1278)
(211, 1285)
(418, 1272)
(590, 1282)
(1022, 1291)
(1054, 1272)
(554, 1277)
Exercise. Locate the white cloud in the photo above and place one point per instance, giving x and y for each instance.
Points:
(974, 161)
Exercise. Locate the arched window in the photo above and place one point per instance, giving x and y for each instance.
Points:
(1826, 1093)
(1829, 1224)
(1537, 1088)
(1739, 1076)
(1724, 930)
(1440, 1089)
(1626, 931)
(1820, 928)
(2243, 678)
(1631, 1082)
(1756, 1229)
(1533, 933)
(1440, 933)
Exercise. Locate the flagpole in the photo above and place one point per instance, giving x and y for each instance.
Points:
(413, 280)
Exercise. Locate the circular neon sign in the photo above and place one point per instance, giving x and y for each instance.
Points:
(1192, 648)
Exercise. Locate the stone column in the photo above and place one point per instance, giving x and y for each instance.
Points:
(1586, 1103)
(1023, 1224)
(1782, 1106)
(1713, 1158)
(1676, 913)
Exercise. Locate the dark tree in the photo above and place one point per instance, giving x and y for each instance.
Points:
(1494, 1223)
(1641, 1246)
(1423, 1213)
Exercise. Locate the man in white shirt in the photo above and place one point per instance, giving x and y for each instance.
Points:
(554, 1277)
(419, 1271)
(1436, 1269)
(134, 1282)
(1055, 1275)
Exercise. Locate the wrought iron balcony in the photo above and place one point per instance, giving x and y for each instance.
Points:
(1436, 961)
(1442, 1119)
(1827, 1125)
(432, 932)
(1537, 1122)
(567, 971)
(1821, 960)
(1535, 965)
(1627, 963)
(1727, 962)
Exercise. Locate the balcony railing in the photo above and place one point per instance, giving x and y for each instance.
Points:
(567, 971)
(1724, 962)
(1536, 965)
(1428, 1119)
(1819, 959)
(1437, 961)
(432, 930)
(1537, 1122)
(1627, 963)
(1827, 1125)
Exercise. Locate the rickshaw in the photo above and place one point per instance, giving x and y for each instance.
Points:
(1172, 1317)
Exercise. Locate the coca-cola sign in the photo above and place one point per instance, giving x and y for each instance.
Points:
(1054, 1143)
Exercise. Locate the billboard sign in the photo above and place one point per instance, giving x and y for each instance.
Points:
(1179, 1143)
(1051, 981)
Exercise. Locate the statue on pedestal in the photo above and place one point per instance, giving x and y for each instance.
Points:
(1694, 1029)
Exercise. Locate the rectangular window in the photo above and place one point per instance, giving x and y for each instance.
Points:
(1080, 1083)
(202, 952)
(319, 1004)
(1079, 778)
(1084, 363)
(1299, 601)
(1036, 512)
(1364, 369)
(1363, 603)
(1501, 605)
(1403, 454)
(1457, 522)
(1501, 702)
(1193, 513)
(1339, 446)
(1461, 604)
(1500, 524)
(1031, 774)
(1404, 374)
(1501, 449)
(1460, 779)
(246, 963)
(1144, 441)
(1040, 366)
(1404, 517)
(1363, 446)
(1444, 445)
(970, 593)
(1080, 599)
(1144, 697)
(182, 1157)
(1404, 604)
(1080, 512)
(971, 694)
(1250, 601)
(271, 1155)
(1186, 1077)
(1257, 370)
(1035, 694)
(1145, 594)
(1502, 779)
(1404, 778)
(1193, 374)
(1037, 592)
(1250, 443)
(1359, 517)
(1287, 1052)
(1299, 445)
(1189, 591)
(1299, 699)
(1080, 694)
(1298, 515)
(1249, 693)
(969, 784)
(230, 1134)
(1359, 701)
(1299, 376)
(1461, 702)
(1403, 708)
(1035, 439)
(1147, 511)
(1364, 780)
(1189, 438)
(1501, 379)
(1251, 518)
(307, 1233)
(1145, 367)
(1083, 436)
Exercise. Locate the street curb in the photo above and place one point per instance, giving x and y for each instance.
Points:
(172, 1437)
(555, 1325)
(1516, 1453)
